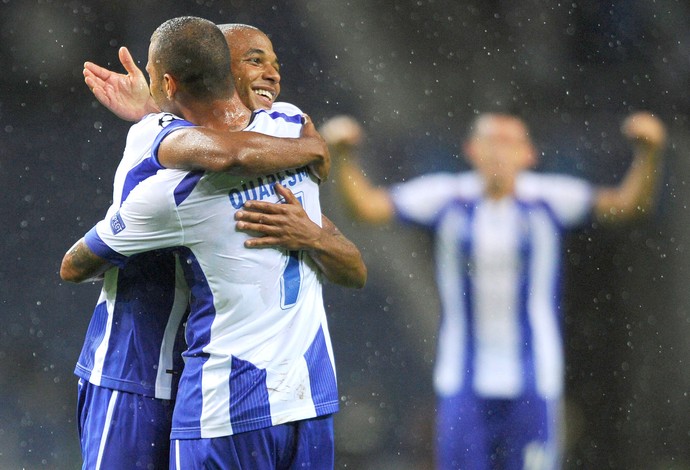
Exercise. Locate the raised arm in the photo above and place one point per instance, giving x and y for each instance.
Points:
(127, 96)
(636, 193)
(288, 226)
(365, 202)
(244, 153)
(80, 264)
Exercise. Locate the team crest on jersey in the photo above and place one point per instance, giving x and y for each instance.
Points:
(166, 119)
(116, 224)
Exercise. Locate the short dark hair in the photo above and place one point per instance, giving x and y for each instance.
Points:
(194, 51)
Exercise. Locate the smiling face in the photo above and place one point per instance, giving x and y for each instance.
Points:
(254, 66)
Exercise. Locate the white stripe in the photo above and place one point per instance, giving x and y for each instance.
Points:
(109, 296)
(450, 362)
(177, 454)
(106, 427)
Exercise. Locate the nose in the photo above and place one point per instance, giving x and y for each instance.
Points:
(271, 73)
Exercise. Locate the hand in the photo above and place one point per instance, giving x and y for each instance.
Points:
(342, 131)
(127, 96)
(321, 168)
(645, 130)
(284, 225)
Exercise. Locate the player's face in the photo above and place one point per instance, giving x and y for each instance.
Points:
(255, 68)
(501, 147)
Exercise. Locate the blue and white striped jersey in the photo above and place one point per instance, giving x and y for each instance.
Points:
(259, 352)
(498, 266)
(134, 341)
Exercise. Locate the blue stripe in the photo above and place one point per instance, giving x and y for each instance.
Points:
(150, 166)
(249, 406)
(323, 385)
(526, 255)
(295, 118)
(187, 418)
(94, 336)
(186, 186)
(98, 247)
(465, 249)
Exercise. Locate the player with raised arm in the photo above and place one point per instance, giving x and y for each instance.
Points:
(132, 349)
(497, 231)
(286, 373)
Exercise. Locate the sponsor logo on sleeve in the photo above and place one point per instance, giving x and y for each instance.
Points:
(116, 224)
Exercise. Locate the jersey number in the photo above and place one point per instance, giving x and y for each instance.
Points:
(291, 279)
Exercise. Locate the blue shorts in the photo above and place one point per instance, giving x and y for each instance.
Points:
(479, 434)
(120, 430)
(297, 445)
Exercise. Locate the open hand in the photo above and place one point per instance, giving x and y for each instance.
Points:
(127, 96)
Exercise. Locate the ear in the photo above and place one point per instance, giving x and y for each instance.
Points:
(531, 157)
(469, 151)
(169, 86)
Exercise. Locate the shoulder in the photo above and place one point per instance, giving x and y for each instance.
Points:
(536, 184)
(159, 121)
(456, 184)
(282, 112)
(286, 108)
(282, 120)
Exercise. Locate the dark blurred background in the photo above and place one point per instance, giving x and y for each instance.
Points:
(415, 73)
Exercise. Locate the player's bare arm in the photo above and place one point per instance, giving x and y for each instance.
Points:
(288, 226)
(636, 193)
(80, 264)
(244, 153)
(126, 95)
(365, 201)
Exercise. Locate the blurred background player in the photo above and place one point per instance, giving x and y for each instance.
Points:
(497, 231)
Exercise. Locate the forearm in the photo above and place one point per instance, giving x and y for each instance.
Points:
(338, 258)
(237, 153)
(636, 194)
(80, 264)
(364, 201)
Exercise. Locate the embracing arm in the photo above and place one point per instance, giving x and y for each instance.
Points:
(244, 153)
(289, 227)
(80, 264)
(636, 194)
(364, 201)
(239, 153)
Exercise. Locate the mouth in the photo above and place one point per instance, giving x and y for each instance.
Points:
(266, 95)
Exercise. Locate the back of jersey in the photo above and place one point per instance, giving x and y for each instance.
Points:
(259, 351)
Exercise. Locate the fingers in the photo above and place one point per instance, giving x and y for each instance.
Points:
(263, 242)
(96, 71)
(645, 127)
(342, 130)
(128, 62)
(286, 194)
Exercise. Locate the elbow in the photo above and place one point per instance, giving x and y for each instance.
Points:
(362, 278)
(71, 273)
(68, 274)
(359, 278)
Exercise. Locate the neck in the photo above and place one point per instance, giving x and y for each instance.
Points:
(224, 114)
(497, 188)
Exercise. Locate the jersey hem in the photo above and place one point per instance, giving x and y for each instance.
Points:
(223, 431)
(123, 385)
